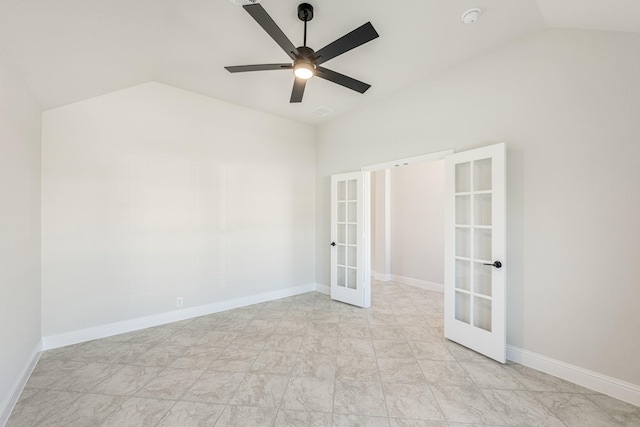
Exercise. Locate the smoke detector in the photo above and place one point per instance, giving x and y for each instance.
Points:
(471, 16)
(244, 2)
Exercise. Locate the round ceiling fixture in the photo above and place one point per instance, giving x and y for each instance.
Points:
(304, 70)
(471, 16)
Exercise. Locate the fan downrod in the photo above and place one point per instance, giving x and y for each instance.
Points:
(305, 12)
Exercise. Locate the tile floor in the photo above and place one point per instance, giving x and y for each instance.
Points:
(303, 361)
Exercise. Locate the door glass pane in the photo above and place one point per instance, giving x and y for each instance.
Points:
(463, 307)
(352, 258)
(342, 193)
(463, 275)
(482, 175)
(342, 211)
(463, 242)
(351, 282)
(482, 209)
(353, 189)
(482, 244)
(341, 277)
(342, 233)
(352, 238)
(463, 177)
(342, 254)
(482, 279)
(463, 210)
(352, 212)
(482, 313)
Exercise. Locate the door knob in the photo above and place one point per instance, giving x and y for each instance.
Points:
(496, 264)
(333, 243)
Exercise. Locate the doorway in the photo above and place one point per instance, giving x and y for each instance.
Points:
(407, 209)
(474, 250)
(383, 252)
(407, 224)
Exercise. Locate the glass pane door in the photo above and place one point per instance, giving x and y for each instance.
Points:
(475, 238)
(348, 199)
(347, 235)
(473, 235)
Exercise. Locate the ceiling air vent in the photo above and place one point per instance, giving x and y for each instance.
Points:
(244, 2)
(322, 111)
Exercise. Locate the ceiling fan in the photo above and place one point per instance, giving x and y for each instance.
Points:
(306, 62)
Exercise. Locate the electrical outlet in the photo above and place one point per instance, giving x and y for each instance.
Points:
(179, 302)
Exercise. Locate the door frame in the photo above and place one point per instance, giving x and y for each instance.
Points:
(438, 155)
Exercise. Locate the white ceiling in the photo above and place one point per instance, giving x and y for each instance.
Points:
(605, 15)
(70, 50)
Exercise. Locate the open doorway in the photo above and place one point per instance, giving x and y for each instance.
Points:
(407, 229)
(407, 225)
(406, 220)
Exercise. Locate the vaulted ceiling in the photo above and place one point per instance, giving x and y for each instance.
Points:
(70, 50)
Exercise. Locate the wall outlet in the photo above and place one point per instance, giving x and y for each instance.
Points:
(179, 302)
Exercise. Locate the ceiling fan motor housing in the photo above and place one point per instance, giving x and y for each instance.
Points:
(305, 51)
(305, 12)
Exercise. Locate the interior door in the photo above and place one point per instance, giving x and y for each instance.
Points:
(349, 234)
(475, 250)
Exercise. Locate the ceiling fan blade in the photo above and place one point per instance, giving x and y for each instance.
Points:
(260, 67)
(355, 38)
(264, 20)
(342, 80)
(298, 90)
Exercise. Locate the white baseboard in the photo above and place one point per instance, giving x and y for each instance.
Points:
(418, 283)
(423, 284)
(9, 402)
(116, 328)
(381, 276)
(601, 383)
(323, 289)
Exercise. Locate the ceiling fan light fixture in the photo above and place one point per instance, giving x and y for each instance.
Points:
(304, 70)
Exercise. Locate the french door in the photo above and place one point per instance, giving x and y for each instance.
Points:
(349, 254)
(475, 250)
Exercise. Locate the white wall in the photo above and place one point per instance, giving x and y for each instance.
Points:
(154, 193)
(380, 225)
(373, 198)
(19, 231)
(567, 105)
(417, 221)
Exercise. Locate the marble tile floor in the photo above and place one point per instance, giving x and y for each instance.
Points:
(303, 361)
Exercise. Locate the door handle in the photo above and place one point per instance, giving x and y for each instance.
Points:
(333, 243)
(496, 264)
